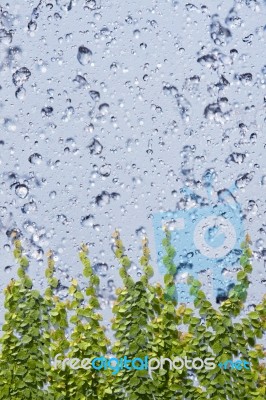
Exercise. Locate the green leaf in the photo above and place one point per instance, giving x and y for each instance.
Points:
(253, 315)
(78, 295)
(21, 272)
(24, 262)
(241, 275)
(26, 339)
(248, 268)
(168, 279)
(54, 282)
(87, 272)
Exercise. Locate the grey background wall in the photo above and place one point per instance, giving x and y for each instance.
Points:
(109, 108)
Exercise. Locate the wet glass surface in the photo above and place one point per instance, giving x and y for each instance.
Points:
(110, 109)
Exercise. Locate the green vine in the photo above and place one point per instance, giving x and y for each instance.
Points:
(148, 322)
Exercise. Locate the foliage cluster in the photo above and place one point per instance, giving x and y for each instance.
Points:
(148, 321)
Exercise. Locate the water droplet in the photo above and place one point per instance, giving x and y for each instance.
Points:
(62, 218)
(84, 55)
(219, 34)
(21, 76)
(8, 269)
(10, 125)
(246, 79)
(214, 112)
(101, 269)
(141, 231)
(81, 81)
(253, 138)
(5, 37)
(13, 55)
(104, 108)
(47, 111)
(35, 159)
(52, 195)
(103, 199)
(32, 26)
(94, 95)
(95, 147)
(87, 220)
(29, 207)
(21, 191)
(244, 180)
(20, 93)
(7, 248)
(114, 67)
(209, 61)
(136, 33)
(248, 39)
(105, 170)
(115, 196)
(92, 5)
(226, 197)
(237, 158)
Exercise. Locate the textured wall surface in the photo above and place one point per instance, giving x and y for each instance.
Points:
(109, 108)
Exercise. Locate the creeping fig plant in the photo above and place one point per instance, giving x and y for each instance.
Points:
(148, 321)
